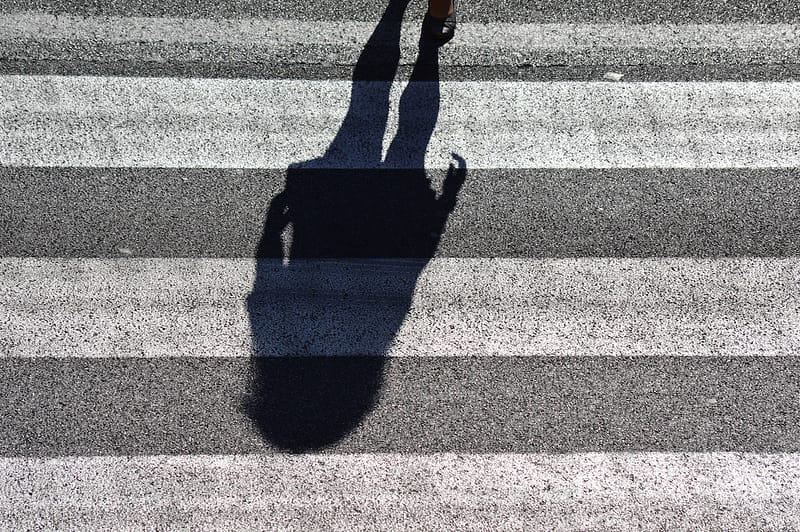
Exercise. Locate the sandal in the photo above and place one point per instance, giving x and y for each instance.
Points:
(441, 29)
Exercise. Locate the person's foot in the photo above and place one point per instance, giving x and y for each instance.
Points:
(441, 19)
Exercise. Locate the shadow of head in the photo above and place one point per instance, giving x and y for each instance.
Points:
(320, 328)
(342, 248)
(309, 403)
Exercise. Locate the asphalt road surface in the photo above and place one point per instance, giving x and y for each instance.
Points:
(286, 265)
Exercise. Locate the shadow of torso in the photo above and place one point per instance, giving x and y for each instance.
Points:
(323, 320)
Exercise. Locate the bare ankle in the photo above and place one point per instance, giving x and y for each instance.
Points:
(440, 8)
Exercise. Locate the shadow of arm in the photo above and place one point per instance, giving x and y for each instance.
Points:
(278, 217)
(456, 176)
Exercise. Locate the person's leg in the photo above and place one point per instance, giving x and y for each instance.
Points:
(441, 19)
(441, 8)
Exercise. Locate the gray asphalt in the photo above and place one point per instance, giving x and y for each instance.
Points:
(638, 11)
(42, 44)
(479, 405)
(71, 212)
(523, 71)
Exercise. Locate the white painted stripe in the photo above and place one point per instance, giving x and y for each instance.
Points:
(165, 122)
(457, 307)
(722, 491)
(282, 33)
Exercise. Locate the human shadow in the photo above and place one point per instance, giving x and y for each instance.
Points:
(342, 247)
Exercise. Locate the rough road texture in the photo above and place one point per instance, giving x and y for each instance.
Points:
(590, 321)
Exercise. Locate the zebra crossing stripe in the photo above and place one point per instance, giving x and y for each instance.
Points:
(440, 491)
(143, 122)
(454, 308)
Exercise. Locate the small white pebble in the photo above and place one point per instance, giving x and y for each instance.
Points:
(125, 252)
(612, 76)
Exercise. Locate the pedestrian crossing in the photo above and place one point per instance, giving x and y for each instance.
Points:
(281, 266)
